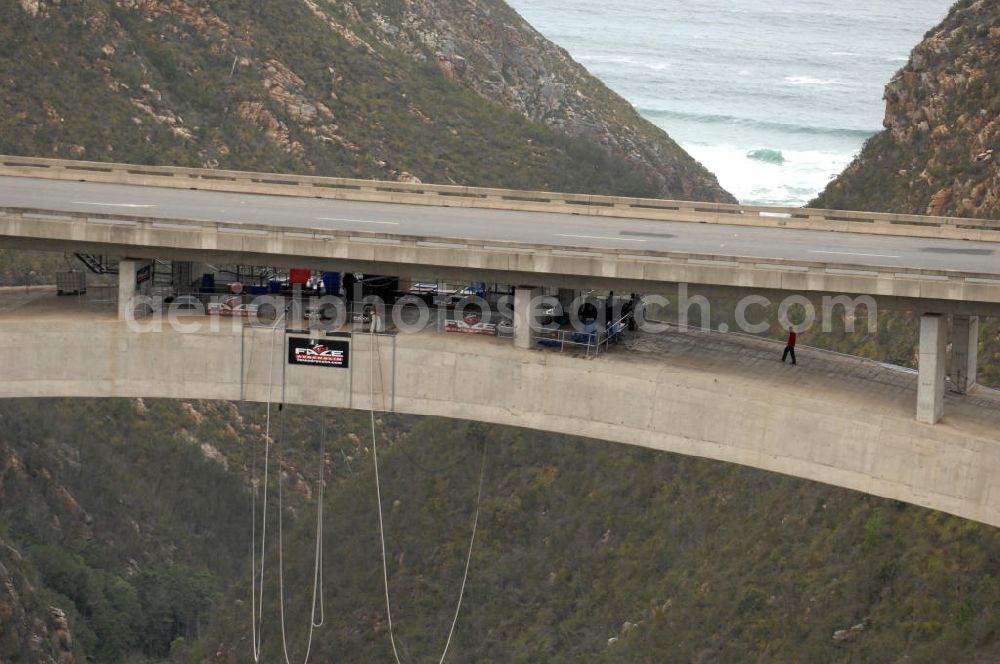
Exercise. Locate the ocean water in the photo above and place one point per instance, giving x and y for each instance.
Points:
(775, 98)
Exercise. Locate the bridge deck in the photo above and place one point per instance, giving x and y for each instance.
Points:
(549, 229)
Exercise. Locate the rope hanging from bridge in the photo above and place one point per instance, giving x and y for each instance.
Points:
(373, 349)
(317, 591)
(257, 601)
(257, 597)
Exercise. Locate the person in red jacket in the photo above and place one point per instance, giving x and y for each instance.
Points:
(790, 347)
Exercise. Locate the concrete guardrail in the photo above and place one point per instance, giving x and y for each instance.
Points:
(503, 199)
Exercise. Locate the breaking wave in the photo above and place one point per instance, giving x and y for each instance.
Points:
(810, 80)
(767, 156)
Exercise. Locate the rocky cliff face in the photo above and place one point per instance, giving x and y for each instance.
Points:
(29, 630)
(463, 92)
(487, 46)
(940, 151)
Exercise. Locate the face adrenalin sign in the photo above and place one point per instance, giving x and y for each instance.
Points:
(318, 353)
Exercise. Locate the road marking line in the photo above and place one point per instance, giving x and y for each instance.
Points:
(600, 237)
(851, 253)
(358, 221)
(124, 205)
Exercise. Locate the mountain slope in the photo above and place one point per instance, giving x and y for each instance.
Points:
(107, 546)
(122, 522)
(310, 87)
(487, 46)
(594, 552)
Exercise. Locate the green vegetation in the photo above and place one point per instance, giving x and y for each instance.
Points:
(389, 113)
(27, 268)
(104, 501)
(133, 517)
(708, 562)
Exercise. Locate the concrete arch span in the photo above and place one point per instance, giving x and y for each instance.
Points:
(836, 420)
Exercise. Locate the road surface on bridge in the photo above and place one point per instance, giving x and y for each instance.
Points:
(502, 226)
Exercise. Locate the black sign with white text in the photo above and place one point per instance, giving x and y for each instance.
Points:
(318, 352)
(471, 323)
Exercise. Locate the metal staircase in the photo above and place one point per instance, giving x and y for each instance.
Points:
(98, 264)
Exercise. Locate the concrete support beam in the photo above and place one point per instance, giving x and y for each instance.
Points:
(524, 335)
(930, 381)
(964, 353)
(133, 279)
(127, 269)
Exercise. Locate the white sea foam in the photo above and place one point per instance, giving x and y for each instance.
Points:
(730, 78)
(795, 181)
(653, 65)
(810, 80)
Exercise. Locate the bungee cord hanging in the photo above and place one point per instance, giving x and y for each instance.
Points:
(257, 597)
(373, 350)
(317, 616)
(317, 590)
(257, 602)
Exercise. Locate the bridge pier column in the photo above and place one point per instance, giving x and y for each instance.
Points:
(133, 280)
(524, 335)
(930, 379)
(964, 352)
(126, 286)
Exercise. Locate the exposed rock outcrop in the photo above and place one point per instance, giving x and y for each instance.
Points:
(256, 114)
(62, 640)
(940, 151)
(27, 634)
